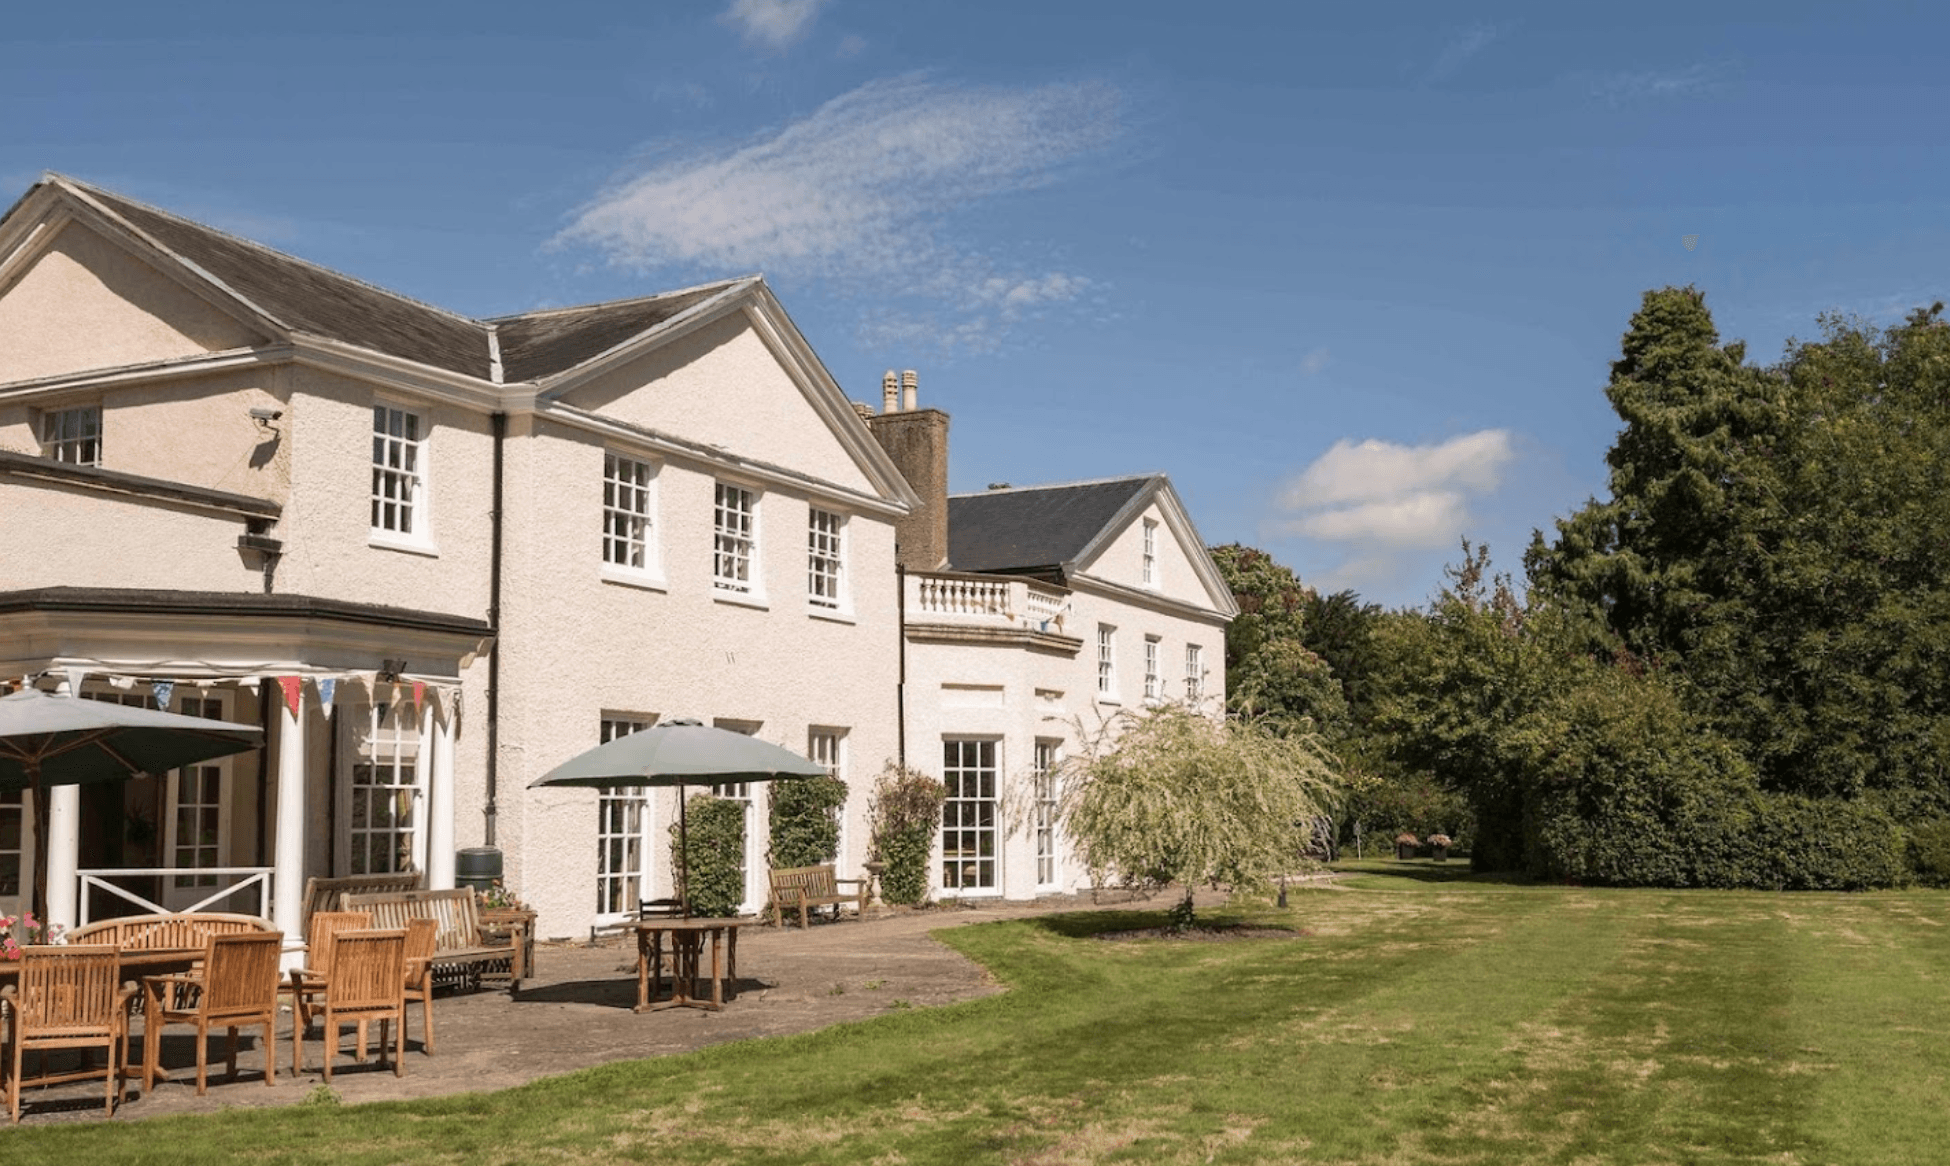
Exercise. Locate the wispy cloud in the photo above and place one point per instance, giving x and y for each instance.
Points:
(1313, 362)
(1459, 51)
(772, 24)
(860, 194)
(851, 45)
(1618, 89)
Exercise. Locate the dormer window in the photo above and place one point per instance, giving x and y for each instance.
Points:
(73, 435)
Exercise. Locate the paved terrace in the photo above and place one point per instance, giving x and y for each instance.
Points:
(575, 1011)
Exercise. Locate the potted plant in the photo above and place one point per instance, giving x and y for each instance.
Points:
(1439, 846)
(1405, 844)
(21, 931)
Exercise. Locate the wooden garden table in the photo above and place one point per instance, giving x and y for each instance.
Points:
(687, 939)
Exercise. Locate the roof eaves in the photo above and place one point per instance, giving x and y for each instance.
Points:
(559, 382)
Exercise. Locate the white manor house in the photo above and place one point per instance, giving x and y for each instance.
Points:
(436, 556)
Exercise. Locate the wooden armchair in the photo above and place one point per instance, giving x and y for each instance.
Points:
(421, 936)
(308, 982)
(68, 997)
(237, 986)
(367, 983)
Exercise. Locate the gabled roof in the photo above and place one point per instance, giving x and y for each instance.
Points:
(296, 296)
(536, 345)
(1036, 528)
(301, 296)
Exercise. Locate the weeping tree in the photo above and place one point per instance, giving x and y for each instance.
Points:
(1170, 796)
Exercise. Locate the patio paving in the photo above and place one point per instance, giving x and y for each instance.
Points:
(575, 1012)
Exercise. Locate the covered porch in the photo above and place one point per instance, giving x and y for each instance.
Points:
(362, 711)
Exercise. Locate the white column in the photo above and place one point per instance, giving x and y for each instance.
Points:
(288, 853)
(63, 854)
(440, 805)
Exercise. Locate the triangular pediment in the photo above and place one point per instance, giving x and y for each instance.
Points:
(75, 296)
(733, 373)
(1180, 568)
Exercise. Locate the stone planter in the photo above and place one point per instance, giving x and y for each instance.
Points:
(1404, 851)
(1440, 853)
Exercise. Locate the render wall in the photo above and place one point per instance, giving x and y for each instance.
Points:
(56, 535)
(578, 645)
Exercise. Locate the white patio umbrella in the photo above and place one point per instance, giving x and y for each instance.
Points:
(679, 753)
(64, 740)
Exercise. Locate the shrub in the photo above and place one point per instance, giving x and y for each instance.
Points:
(902, 819)
(1929, 853)
(805, 823)
(714, 881)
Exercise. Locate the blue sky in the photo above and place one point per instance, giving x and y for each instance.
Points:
(1353, 279)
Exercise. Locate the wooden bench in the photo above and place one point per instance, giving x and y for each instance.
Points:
(812, 886)
(460, 943)
(146, 932)
(327, 894)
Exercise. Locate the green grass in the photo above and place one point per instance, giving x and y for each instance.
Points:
(1426, 1016)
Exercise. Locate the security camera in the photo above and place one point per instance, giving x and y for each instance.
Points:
(262, 414)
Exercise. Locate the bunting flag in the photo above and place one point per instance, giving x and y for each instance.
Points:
(419, 692)
(163, 690)
(292, 686)
(326, 685)
(123, 683)
(76, 678)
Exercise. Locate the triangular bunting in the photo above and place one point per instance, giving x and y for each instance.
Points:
(326, 686)
(162, 690)
(291, 686)
(419, 692)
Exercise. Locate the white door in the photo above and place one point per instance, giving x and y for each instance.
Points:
(16, 853)
(381, 790)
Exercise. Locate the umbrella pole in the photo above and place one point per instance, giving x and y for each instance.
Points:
(683, 851)
(40, 839)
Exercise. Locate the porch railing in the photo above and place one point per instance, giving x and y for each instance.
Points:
(991, 599)
(245, 879)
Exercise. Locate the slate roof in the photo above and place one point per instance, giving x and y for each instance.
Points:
(307, 298)
(1034, 528)
(535, 345)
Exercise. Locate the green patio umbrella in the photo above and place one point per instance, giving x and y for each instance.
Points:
(679, 753)
(63, 740)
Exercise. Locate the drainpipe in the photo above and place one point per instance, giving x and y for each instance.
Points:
(900, 689)
(494, 621)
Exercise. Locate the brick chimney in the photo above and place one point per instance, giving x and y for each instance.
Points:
(917, 440)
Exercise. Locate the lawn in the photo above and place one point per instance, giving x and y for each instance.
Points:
(1421, 1016)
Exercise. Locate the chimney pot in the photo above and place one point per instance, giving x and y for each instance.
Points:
(890, 393)
(910, 385)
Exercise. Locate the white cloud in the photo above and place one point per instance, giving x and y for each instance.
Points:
(1458, 52)
(1426, 518)
(861, 193)
(1616, 89)
(1381, 471)
(1314, 361)
(851, 45)
(775, 24)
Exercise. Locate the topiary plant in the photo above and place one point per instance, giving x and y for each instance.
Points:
(714, 879)
(902, 819)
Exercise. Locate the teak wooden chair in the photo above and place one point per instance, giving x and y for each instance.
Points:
(367, 983)
(237, 986)
(421, 936)
(68, 998)
(308, 982)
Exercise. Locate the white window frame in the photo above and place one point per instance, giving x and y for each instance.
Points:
(826, 747)
(971, 816)
(623, 834)
(1194, 672)
(1150, 570)
(14, 807)
(827, 590)
(182, 891)
(387, 734)
(1043, 772)
(1107, 663)
(631, 552)
(1153, 686)
(405, 485)
(73, 435)
(733, 547)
